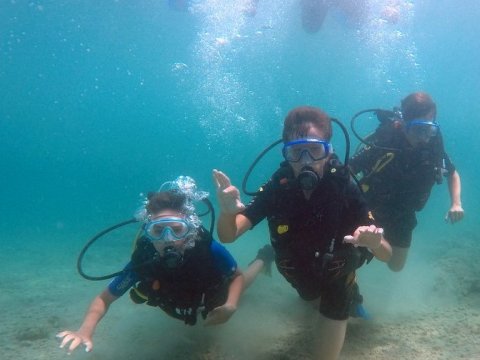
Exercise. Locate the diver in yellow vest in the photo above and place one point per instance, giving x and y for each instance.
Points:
(399, 164)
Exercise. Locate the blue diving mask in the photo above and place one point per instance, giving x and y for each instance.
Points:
(422, 129)
(167, 229)
(317, 149)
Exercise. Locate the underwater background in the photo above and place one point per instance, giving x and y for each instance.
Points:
(103, 101)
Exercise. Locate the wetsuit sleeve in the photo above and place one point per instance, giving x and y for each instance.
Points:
(257, 209)
(224, 260)
(121, 283)
(448, 165)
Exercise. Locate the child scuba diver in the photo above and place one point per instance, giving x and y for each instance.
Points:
(176, 265)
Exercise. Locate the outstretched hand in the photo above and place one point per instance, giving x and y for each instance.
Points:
(366, 236)
(75, 338)
(455, 214)
(227, 194)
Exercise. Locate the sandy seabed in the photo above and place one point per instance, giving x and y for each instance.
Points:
(429, 311)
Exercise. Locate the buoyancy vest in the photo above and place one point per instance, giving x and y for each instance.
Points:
(403, 178)
(309, 235)
(180, 292)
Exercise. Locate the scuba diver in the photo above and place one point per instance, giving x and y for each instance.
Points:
(314, 12)
(399, 164)
(176, 265)
(319, 224)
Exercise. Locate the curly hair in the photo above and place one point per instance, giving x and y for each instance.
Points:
(158, 201)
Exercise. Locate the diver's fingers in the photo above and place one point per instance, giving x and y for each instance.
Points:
(214, 178)
(451, 217)
(222, 180)
(371, 229)
(67, 336)
(447, 217)
(62, 334)
(88, 345)
(217, 178)
(458, 215)
(231, 191)
(454, 215)
(72, 339)
(349, 239)
(73, 345)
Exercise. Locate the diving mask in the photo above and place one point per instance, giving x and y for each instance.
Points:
(317, 149)
(422, 129)
(167, 229)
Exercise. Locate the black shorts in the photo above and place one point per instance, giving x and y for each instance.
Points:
(398, 228)
(336, 295)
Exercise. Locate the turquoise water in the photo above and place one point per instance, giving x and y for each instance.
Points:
(103, 100)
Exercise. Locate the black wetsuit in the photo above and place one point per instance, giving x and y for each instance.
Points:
(201, 281)
(307, 236)
(397, 183)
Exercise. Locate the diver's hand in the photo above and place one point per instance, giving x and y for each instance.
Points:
(455, 214)
(220, 315)
(228, 195)
(76, 338)
(366, 236)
